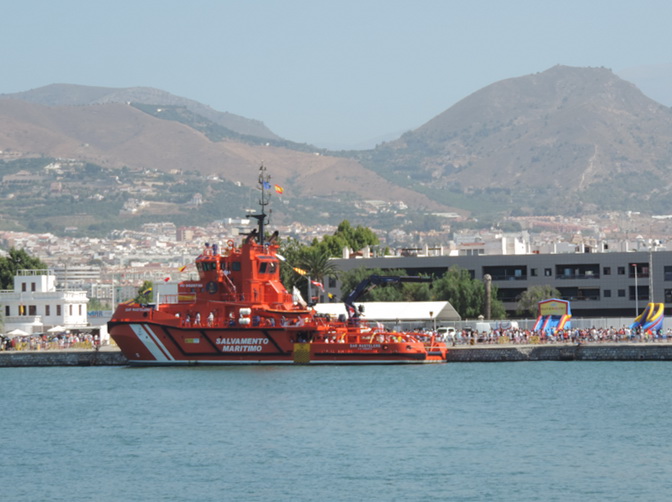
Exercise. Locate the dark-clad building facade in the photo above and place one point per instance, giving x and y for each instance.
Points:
(597, 284)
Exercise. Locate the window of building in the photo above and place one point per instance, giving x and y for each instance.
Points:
(607, 270)
(548, 272)
(32, 286)
(533, 272)
(607, 293)
(621, 293)
(80, 309)
(7, 310)
(332, 282)
(23, 286)
(70, 309)
(668, 296)
(621, 270)
(47, 310)
(58, 310)
(32, 310)
(667, 272)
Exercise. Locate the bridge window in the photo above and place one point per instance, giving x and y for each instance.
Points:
(235, 266)
(267, 267)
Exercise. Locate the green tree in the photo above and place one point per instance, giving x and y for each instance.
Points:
(402, 292)
(96, 304)
(528, 300)
(290, 250)
(18, 259)
(315, 262)
(466, 295)
(145, 293)
(346, 236)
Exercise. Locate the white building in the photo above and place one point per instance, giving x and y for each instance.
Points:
(35, 305)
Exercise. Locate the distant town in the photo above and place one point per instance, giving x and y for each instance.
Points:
(111, 269)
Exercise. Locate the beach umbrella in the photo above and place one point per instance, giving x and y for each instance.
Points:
(17, 332)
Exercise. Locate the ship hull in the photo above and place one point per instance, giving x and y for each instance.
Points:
(154, 344)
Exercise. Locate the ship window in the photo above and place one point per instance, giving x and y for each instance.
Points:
(199, 267)
(267, 267)
(235, 266)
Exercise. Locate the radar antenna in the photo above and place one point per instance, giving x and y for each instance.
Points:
(264, 200)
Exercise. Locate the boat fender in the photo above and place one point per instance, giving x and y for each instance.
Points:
(245, 311)
(244, 321)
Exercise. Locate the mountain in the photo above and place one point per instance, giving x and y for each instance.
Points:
(562, 141)
(565, 141)
(81, 95)
(59, 146)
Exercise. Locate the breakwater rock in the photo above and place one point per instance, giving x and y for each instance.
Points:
(562, 352)
(13, 359)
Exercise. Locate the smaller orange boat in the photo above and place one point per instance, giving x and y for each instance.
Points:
(238, 312)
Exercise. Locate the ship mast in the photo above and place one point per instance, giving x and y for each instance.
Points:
(264, 200)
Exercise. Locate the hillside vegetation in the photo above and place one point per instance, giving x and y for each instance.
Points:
(566, 141)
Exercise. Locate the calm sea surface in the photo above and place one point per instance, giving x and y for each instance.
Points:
(569, 431)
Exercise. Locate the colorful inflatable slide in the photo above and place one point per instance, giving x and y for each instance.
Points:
(651, 319)
(554, 315)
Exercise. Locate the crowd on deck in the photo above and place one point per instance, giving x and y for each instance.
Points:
(575, 336)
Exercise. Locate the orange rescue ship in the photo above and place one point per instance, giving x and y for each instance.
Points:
(238, 312)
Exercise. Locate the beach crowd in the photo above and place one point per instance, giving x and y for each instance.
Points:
(575, 336)
(45, 342)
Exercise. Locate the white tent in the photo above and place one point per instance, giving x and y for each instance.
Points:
(56, 329)
(17, 332)
(397, 311)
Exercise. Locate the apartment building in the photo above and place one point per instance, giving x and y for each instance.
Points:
(609, 284)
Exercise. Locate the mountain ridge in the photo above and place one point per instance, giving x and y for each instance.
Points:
(566, 140)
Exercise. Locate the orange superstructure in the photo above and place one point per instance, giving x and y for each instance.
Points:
(239, 312)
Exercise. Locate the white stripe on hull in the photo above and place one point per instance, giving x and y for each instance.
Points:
(152, 343)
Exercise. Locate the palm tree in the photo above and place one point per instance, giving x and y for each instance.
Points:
(530, 298)
(317, 265)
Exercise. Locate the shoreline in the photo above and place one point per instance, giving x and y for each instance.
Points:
(604, 351)
(618, 351)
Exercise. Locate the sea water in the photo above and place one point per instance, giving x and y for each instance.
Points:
(539, 431)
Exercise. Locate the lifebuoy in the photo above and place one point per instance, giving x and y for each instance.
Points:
(384, 347)
(230, 243)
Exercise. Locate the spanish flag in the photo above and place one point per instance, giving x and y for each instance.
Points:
(182, 268)
(278, 189)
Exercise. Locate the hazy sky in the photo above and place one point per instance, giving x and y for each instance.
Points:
(346, 73)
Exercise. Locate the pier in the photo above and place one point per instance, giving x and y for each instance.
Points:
(107, 356)
(561, 352)
(111, 356)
